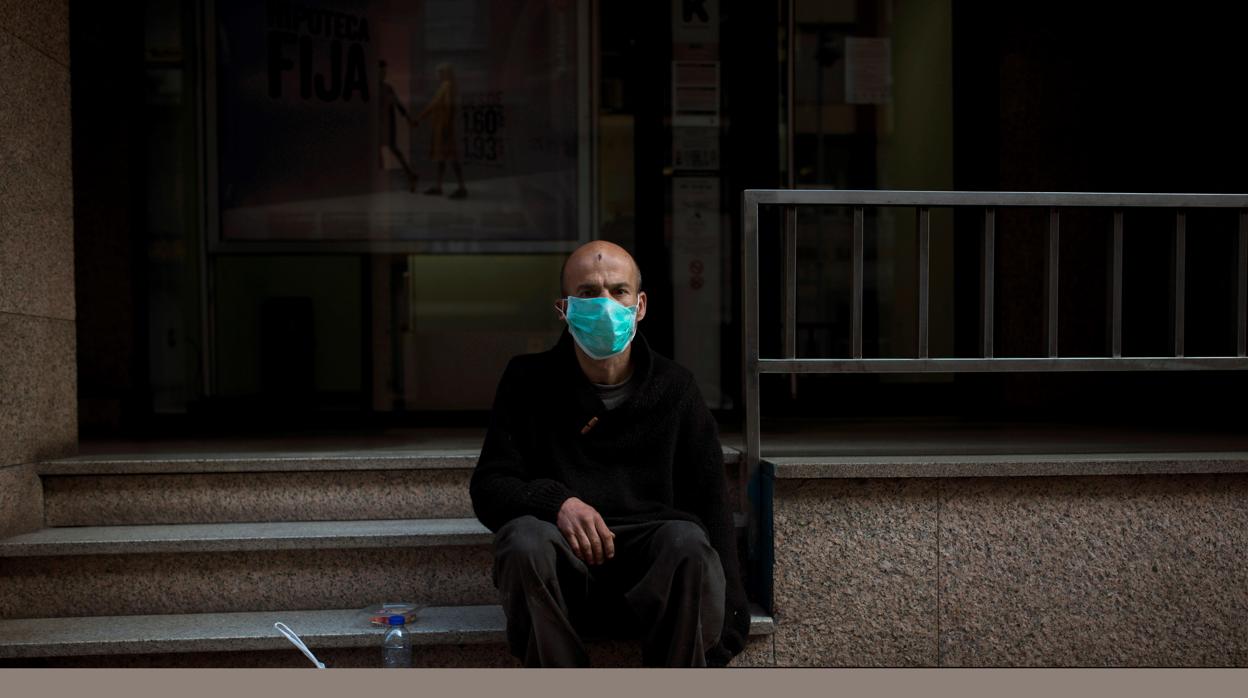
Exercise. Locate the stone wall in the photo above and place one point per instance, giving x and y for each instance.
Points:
(38, 411)
(1124, 570)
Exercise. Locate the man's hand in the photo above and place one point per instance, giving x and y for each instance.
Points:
(586, 532)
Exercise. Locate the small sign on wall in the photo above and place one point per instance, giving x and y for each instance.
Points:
(695, 148)
(695, 93)
(695, 29)
(696, 269)
(868, 70)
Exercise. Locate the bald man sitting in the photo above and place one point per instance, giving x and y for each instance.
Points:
(602, 478)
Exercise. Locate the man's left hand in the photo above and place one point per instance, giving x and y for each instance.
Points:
(585, 531)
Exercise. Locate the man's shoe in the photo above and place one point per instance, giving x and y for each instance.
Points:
(458, 193)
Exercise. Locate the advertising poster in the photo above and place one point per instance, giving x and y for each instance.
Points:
(398, 120)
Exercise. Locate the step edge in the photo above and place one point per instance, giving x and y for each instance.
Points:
(263, 640)
(1007, 465)
(491, 631)
(227, 463)
(249, 536)
(147, 464)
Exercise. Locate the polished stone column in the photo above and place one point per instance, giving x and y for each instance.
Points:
(38, 411)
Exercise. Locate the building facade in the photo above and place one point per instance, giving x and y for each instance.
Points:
(253, 217)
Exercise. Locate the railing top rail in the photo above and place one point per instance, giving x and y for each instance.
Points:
(873, 197)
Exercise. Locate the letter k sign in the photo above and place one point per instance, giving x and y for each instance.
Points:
(691, 8)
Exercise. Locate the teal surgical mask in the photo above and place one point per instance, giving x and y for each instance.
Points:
(601, 327)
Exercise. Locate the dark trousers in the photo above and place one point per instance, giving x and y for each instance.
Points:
(665, 586)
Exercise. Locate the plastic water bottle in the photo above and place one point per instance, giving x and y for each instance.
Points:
(397, 647)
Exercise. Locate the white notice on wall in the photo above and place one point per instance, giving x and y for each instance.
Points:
(696, 288)
(695, 148)
(695, 93)
(868, 70)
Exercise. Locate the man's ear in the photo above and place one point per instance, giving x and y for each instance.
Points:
(641, 305)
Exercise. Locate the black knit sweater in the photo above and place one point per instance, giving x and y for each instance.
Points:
(656, 456)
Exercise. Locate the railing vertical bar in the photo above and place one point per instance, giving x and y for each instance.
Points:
(1180, 281)
(1117, 302)
(925, 249)
(858, 282)
(1242, 305)
(790, 282)
(988, 280)
(748, 466)
(1052, 258)
(790, 291)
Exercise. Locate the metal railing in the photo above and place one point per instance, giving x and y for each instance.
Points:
(990, 202)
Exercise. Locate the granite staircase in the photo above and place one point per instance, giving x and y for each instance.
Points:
(187, 559)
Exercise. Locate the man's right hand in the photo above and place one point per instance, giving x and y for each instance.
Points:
(585, 531)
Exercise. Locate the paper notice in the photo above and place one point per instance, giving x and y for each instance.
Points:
(695, 93)
(868, 70)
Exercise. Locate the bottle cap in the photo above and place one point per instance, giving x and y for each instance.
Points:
(398, 620)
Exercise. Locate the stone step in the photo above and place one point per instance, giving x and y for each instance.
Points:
(205, 568)
(1007, 465)
(235, 537)
(24, 641)
(192, 487)
(234, 497)
(214, 632)
(182, 462)
(186, 487)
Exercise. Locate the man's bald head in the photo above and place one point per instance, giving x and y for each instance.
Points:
(597, 254)
(601, 270)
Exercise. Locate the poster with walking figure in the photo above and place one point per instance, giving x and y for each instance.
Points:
(440, 114)
(396, 136)
(449, 121)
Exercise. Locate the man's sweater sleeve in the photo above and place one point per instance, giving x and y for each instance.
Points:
(702, 492)
(503, 486)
